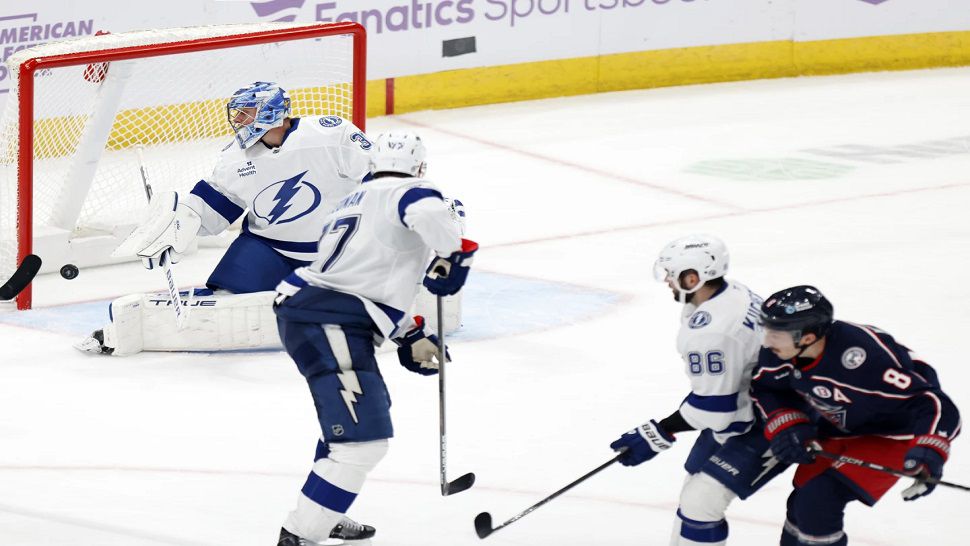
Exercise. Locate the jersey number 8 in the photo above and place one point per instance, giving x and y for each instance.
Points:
(714, 361)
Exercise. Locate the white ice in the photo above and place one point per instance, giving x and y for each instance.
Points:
(576, 193)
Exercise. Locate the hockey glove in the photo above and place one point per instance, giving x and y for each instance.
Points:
(418, 350)
(446, 276)
(925, 458)
(171, 226)
(643, 443)
(790, 433)
(287, 288)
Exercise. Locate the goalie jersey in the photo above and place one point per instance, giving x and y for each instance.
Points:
(285, 192)
(719, 341)
(377, 243)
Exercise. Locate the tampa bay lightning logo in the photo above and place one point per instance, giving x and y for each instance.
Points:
(330, 121)
(287, 200)
(699, 319)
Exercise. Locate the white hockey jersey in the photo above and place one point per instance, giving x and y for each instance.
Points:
(719, 341)
(377, 243)
(286, 192)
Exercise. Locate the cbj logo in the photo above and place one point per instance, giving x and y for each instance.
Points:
(287, 200)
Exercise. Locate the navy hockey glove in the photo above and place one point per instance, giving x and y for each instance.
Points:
(790, 433)
(925, 458)
(446, 276)
(287, 288)
(418, 351)
(643, 443)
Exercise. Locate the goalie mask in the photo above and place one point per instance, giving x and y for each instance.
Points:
(255, 109)
(705, 254)
(402, 153)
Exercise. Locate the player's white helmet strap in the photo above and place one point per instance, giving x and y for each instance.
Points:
(705, 254)
(399, 153)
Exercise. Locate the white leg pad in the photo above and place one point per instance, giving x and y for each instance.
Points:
(346, 467)
(145, 322)
(702, 499)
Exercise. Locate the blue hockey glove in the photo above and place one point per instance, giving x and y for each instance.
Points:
(790, 433)
(925, 458)
(418, 350)
(643, 443)
(446, 276)
(287, 288)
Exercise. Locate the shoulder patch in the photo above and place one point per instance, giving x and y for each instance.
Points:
(331, 121)
(699, 319)
(853, 357)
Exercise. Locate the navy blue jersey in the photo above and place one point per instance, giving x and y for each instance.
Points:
(864, 382)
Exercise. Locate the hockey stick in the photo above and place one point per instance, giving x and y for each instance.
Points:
(165, 259)
(466, 481)
(483, 521)
(21, 278)
(880, 468)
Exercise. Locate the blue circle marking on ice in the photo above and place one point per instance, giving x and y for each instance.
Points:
(699, 319)
(493, 306)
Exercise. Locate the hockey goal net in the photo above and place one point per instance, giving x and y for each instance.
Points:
(83, 117)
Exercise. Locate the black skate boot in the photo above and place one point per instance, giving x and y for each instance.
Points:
(289, 539)
(349, 529)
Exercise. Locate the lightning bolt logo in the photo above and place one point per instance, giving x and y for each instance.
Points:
(768, 463)
(348, 378)
(289, 190)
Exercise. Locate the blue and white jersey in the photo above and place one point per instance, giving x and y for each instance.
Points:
(719, 341)
(377, 244)
(285, 192)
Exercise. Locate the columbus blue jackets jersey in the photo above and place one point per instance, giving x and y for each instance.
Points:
(719, 341)
(864, 382)
(378, 242)
(285, 192)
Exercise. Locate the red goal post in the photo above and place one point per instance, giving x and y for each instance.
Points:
(69, 184)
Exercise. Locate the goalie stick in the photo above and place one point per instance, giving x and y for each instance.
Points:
(165, 260)
(21, 278)
(466, 481)
(483, 521)
(880, 468)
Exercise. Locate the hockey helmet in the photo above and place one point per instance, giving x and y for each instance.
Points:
(799, 309)
(272, 107)
(402, 153)
(705, 254)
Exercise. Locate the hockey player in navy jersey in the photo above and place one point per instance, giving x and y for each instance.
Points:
(281, 175)
(374, 251)
(852, 390)
(719, 340)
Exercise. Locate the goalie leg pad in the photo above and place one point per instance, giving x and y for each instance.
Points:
(216, 322)
(332, 486)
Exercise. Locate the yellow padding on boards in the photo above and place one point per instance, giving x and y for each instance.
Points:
(669, 67)
(59, 136)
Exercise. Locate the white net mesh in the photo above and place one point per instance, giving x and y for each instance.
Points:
(88, 129)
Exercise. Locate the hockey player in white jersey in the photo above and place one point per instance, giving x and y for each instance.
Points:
(375, 248)
(719, 340)
(282, 175)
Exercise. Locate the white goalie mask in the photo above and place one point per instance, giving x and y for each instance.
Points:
(705, 254)
(402, 153)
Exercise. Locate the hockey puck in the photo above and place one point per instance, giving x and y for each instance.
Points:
(69, 271)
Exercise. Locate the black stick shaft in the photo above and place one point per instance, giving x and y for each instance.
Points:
(585, 477)
(442, 434)
(880, 468)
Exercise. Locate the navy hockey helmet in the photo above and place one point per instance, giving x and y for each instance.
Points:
(800, 310)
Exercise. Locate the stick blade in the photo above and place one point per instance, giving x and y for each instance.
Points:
(21, 277)
(459, 485)
(483, 524)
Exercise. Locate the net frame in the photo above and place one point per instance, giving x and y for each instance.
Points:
(32, 61)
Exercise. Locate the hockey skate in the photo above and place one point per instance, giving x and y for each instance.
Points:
(94, 344)
(347, 531)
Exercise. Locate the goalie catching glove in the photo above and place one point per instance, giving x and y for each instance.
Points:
(170, 225)
(418, 350)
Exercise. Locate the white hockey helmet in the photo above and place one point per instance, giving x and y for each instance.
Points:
(272, 107)
(705, 254)
(402, 153)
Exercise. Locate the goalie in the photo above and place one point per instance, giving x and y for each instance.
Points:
(282, 175)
